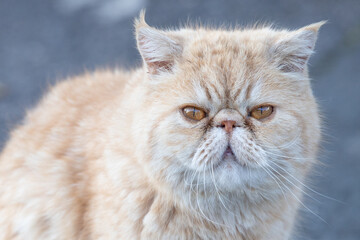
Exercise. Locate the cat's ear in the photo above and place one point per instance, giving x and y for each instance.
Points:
(159, 49)
(292, 51)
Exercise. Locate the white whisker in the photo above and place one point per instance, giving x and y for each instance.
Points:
(218, 192)
(273, 177)
(304, 185)
(294, 184)
(200, 209)
(291, 192)
(283, 156)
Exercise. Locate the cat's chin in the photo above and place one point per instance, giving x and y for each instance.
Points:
(230, 173)
(229, 163)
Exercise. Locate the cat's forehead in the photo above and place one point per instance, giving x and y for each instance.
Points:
(228, 53)
(226, 67)
(231, 43)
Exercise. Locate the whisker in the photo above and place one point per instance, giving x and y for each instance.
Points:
(273, 177)
(291, 192)
(283, 156)
(305, 205)
(203, 214)
(218, 192)
(304, 185)
(286, 145)
(294, 184)
(193, 191)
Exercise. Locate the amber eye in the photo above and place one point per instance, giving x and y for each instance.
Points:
(194, 113)
(262, 112)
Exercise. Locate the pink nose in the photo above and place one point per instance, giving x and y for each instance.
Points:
(228, 125)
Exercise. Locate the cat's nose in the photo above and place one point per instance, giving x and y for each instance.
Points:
(228, 125)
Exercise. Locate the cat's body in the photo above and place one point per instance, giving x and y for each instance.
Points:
(110, 155)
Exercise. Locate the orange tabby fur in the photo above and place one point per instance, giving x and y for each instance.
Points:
(109, 155)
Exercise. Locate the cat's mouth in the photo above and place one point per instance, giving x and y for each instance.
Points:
(229, 158)
(228, 152)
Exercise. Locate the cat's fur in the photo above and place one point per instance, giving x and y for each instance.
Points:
(109, 155)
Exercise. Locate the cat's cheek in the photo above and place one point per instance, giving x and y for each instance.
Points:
(175, 142)
(278, 131)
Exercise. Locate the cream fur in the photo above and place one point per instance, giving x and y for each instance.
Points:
(109, 155)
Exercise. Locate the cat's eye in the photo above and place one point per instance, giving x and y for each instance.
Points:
(194, 113)
(261, 112)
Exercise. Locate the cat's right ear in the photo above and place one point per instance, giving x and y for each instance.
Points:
(158, 49)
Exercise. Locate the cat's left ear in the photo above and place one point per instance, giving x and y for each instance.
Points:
(292, 51)
(159, 49)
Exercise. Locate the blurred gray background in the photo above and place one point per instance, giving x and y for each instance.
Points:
(43, 41)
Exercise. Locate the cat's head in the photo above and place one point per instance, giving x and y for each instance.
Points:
(229, 110)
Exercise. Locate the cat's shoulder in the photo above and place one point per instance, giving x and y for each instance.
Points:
(69, 107)
(91, 87)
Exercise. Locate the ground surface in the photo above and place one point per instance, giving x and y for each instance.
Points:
(44, 41)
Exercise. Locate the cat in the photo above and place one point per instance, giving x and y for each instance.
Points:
(208, 140)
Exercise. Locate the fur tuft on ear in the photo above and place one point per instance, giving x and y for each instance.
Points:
(157, 48)
(292, 51)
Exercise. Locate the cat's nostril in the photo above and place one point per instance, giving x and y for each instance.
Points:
(228, 125)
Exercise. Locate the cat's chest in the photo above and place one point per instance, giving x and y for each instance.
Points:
(164, 221)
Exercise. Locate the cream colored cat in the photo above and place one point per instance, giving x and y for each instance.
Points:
(204, 142)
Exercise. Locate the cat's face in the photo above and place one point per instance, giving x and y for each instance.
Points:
(231, 111)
